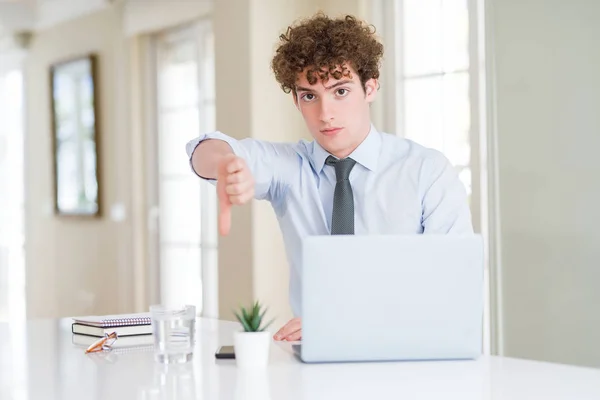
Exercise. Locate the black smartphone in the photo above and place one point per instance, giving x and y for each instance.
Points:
(225, 352)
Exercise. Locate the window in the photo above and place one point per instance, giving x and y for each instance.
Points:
(434, 74)
(186, 205)
(12, 227)
(432, 85)
(12, 209)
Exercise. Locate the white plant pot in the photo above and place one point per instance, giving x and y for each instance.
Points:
(252, 349)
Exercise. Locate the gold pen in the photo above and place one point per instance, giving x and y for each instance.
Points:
(101, 344)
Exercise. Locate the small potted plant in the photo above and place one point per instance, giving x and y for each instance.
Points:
(252, 343)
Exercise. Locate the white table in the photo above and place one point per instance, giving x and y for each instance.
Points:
(39, 361)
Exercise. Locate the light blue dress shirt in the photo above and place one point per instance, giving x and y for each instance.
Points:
(399, 187)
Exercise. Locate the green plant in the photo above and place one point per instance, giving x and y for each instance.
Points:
(252, 318)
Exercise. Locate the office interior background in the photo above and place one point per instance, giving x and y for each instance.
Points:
(508, 90)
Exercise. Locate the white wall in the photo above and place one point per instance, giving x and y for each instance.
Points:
(68, 272)
(77, 266)
(547, 63)
(152, 16)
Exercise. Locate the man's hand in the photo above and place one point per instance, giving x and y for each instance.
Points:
(291, 331)
(235, 185)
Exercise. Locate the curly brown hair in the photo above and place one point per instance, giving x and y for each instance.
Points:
(325, 47)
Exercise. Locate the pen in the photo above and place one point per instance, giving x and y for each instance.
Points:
(100, 343)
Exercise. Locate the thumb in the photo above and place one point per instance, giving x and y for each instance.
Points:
(224, 207)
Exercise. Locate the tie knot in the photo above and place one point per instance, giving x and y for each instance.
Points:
(342, 167)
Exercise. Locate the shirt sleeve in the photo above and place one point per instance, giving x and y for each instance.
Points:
(265, 159)
(445, 204)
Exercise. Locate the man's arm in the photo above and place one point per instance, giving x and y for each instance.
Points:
(241, 169)
(267, 161)
(445, 203)
(207, 155)
(214, 159)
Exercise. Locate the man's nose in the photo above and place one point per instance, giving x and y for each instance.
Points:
(326, 111)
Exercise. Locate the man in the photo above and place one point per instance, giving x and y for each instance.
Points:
(351, 179)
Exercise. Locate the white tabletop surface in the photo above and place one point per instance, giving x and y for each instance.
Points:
(38, 360)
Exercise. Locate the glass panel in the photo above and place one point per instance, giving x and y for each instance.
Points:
(180, 277)
(177, 127)
(90, 184)
(465, 177)
(178, 79)
(422, 38)
(208, 67)
(180, 211)
(209, 123)
(423, 111)
(457, 118)
(12, 227)
(210, 280)
(455, 35)
(210, 236)
(186, 108)
(75, 157)
(437, 114)
(67, 173)
(14, 166)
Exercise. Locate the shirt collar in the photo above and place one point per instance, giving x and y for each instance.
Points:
(366, 154)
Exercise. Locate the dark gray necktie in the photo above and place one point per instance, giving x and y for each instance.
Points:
(342, 218)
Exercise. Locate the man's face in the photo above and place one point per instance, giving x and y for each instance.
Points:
(337, 111)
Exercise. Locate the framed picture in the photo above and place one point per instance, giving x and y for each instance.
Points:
(74, 102)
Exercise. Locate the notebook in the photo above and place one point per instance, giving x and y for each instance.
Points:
(121, 330)
(122, 342)
(124, 325)
(108, 321)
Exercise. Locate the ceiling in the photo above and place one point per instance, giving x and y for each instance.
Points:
(17, 16)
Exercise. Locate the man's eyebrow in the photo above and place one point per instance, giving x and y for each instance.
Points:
(344, 82)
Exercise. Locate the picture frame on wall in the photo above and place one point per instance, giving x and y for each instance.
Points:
(75, 133)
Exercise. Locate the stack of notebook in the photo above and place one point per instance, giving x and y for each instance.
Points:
(132, 329)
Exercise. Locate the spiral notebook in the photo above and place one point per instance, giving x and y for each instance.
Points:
(138, 341)
(111, 321)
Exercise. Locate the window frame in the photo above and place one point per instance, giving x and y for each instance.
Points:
(208, 245)
(387, 16)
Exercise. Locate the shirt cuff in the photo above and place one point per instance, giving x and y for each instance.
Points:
(193, 144)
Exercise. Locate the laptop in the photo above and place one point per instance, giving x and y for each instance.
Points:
(391, 298)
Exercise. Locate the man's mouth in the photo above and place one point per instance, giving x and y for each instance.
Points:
(330, 131)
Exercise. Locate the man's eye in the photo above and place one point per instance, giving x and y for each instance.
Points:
(342, 92)
(308, 97)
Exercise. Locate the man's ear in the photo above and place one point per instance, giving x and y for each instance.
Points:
(371, 88)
